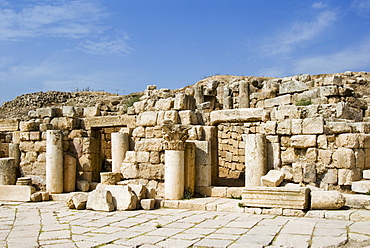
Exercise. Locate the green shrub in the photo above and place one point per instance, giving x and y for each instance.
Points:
(303, 102)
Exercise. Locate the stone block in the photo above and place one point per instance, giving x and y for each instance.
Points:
(129, 170)
(313, 125)
(303, 141)
(296, 126)
(277, 101)
(77, 200)
(276, 197)
(27, 126)
(151, 193)
(91, 111)
(238, 115)
(289, 156)
(273, 178)
(8, 171)
(36, 197)
(348, 140)
(366, 174)
(270, 127)
(322, 141)
(123, 197)
(69, 111)
(357, 200)
(64, 123)
(9, 125)
(338, 127)
(164, 104)
(47, 112)
(147, 204)
(330, 177)
(184, 102)
(142, 157)
(292, 87)
(234, 192)
(203, 175)
(110, 178)
(333, 80)
(344, 158)
(111, 121)
(327, 199)
(100, 200)
(82, 185)
(286, 112)
(327, 91)
(154, 145)
(347, 177)
(361, 186)
(16, 192)
(188, 117)
(139, 190)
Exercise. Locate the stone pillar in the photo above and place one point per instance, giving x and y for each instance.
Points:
(69, 173)
(15, 152)
(120, 145)
(7, 171)
(227, 98)
(255, 159)
(174, 145)
(211, 136)
(244, 98)
(198, 94)
(54, 161)
(189, 169)
(203, 163)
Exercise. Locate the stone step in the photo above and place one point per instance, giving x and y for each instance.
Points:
(361, 186)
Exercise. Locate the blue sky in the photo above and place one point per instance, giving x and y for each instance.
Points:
(121, 46)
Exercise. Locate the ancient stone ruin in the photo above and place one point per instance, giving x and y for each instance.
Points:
(221, 137)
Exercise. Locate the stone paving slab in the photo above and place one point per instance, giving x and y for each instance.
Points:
(52, 224)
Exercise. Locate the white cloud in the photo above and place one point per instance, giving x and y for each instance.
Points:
(106, 47)
(299, 33)
(356, 58)
(61, 18)
(362, 7)
(319, 5)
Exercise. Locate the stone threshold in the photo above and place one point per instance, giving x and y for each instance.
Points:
(235, 206)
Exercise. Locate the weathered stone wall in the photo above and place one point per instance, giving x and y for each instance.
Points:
(315, 126)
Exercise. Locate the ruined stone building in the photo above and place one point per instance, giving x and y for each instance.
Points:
(313, 129)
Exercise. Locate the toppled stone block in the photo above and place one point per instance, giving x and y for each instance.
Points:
(82, 185)
(123, 197)
(139, 190)
(327, 200)
(357, 201)
(16, 192)
(77, 200)
(273, 178)
(151, 193)
(36, 197)
(147, 204)
(110, 178)
(276, 197)
(100, 200)
(361, 186)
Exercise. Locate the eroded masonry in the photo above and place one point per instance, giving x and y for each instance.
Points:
(250, 131)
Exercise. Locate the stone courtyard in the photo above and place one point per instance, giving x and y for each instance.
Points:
(52, 224)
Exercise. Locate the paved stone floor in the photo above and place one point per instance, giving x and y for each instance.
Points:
(52, 224)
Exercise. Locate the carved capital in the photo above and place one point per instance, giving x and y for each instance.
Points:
(174, 136)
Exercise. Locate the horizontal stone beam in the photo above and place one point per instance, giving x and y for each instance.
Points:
(16, 192)
(9, 125)
(109, 121)
(276, 197)
(239, 115)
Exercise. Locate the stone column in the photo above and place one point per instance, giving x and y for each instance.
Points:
(120, 145)
(7, 171)
(255, 159)
(174, 145)
(227, 98)
(54, 161)
(189, 169)
(198, 94)
(69, 173)
(15, 152)
(244, 98)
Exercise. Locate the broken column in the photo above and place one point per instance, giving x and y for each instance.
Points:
(227, 98)
(255, 159)
(120, 145)
(69, 173)
(244, 99)
(174, 145)
(7, 171)
(54, 161)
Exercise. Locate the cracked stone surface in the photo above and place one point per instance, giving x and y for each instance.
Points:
(52, 224)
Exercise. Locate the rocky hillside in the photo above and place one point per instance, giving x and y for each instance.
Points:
(359, 83)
